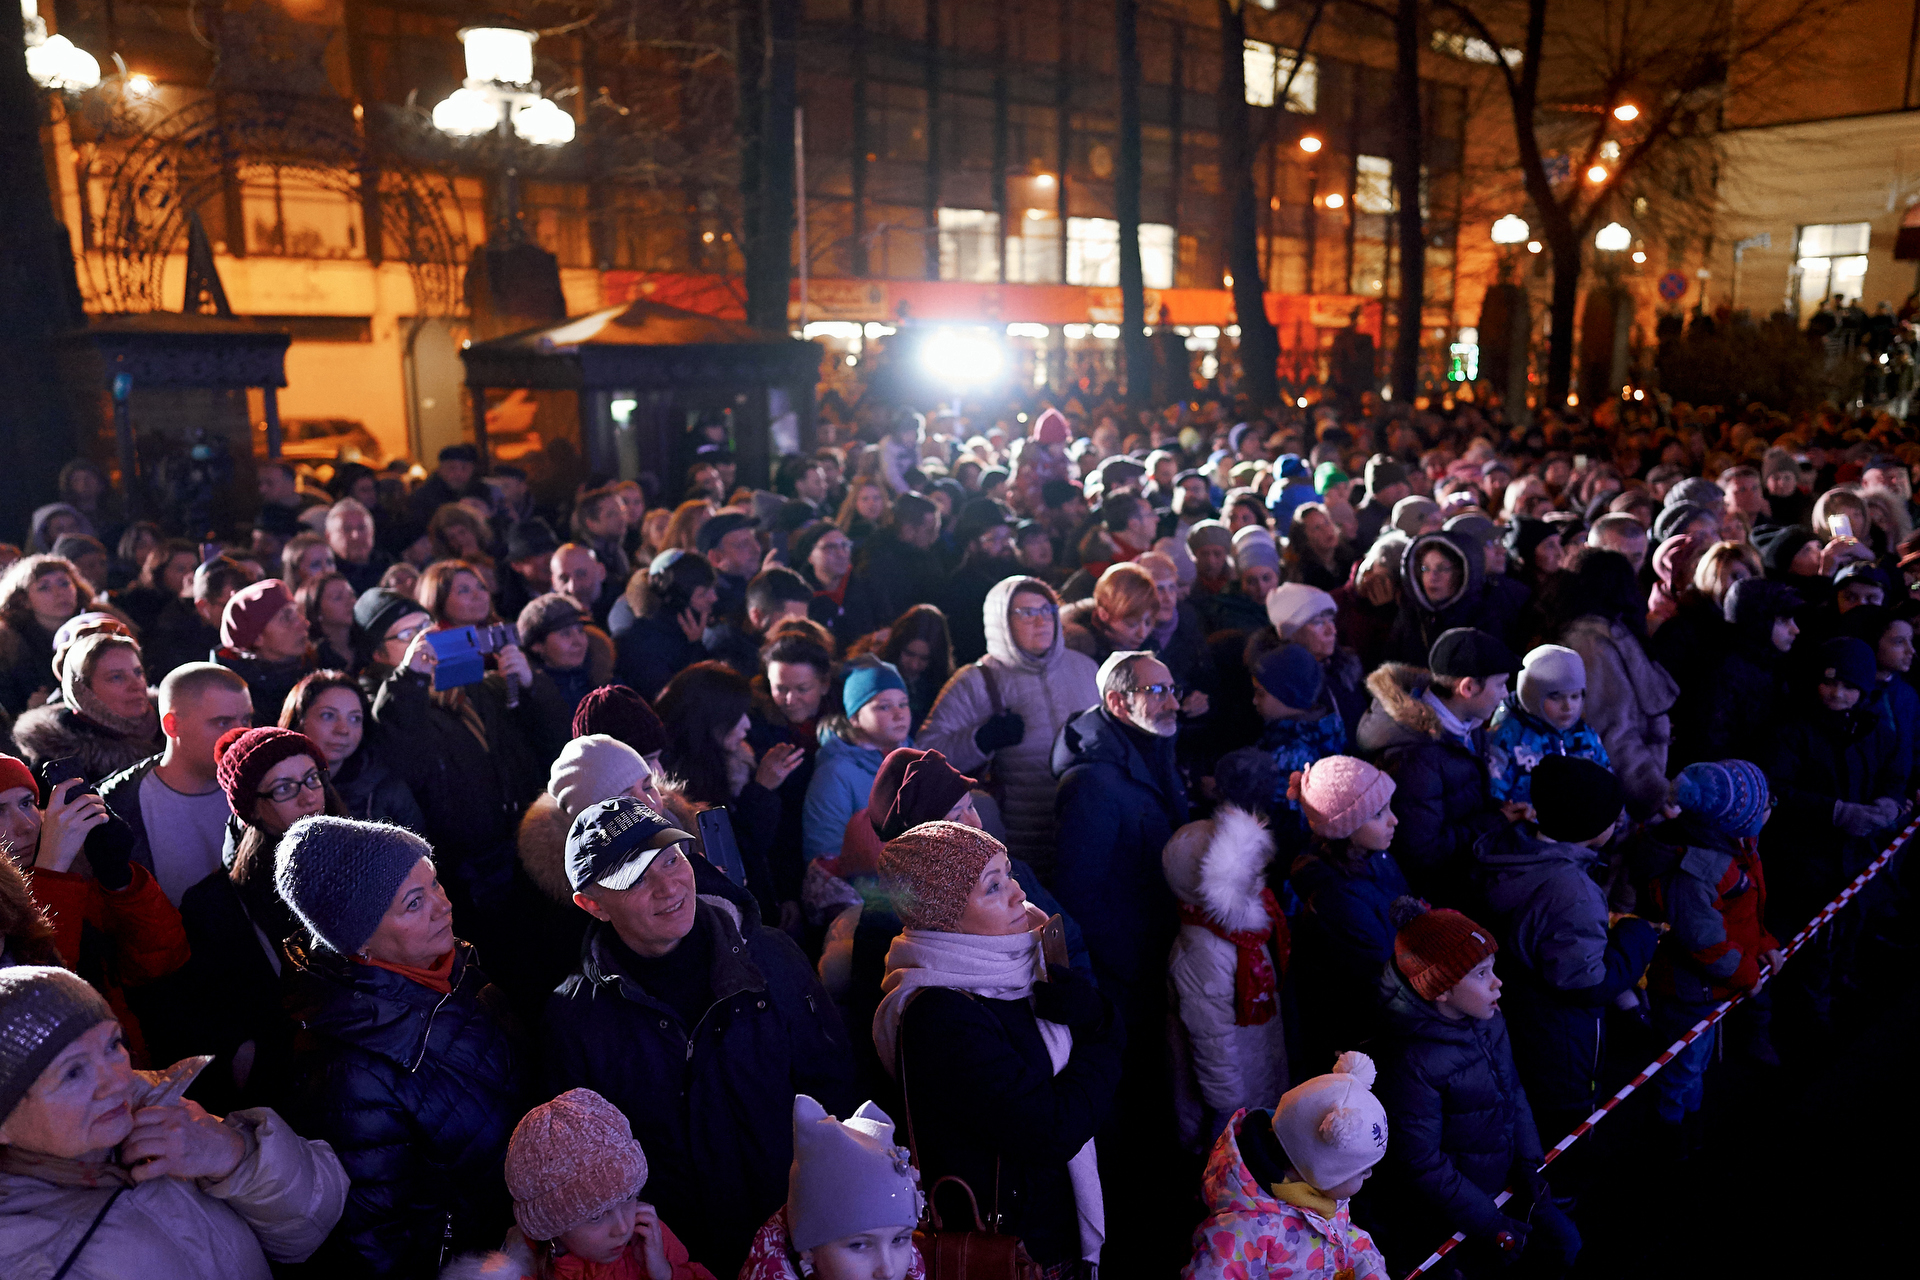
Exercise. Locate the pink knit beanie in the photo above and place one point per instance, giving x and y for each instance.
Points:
(570, 1159)
(932, 870)
(1339, 793)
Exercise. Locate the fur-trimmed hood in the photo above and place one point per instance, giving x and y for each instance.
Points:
(1399, 713)
(1220, 866)
(542, 838)
(56, 731)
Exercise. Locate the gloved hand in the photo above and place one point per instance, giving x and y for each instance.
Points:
(1071, 1000)
(109, 850)
(1529, 1189)
(1510, 1239)
(1858, 819)
(1004, 730)
(1889, 810)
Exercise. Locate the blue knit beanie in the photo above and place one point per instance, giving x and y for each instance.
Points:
(1291, 675)
(1731, 795)
(864, 684)
(339, 875)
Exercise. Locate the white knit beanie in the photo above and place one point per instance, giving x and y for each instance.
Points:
(1332, 1127)
(1291, 605)
(594, 768)
(1549, 668)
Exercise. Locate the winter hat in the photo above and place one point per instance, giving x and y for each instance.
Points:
(1332, 1127)
(42, 1010)
(1051, 427)
(1549, 668)
(530, 538)
(619, 712)
(1755, 603)
(250, 609)
(1248, 777)
(340, 874)
(1291, 605)
(80, 623)
(15, 773)
(1729, 795)
(1777, 460)
(1327, 475)
(1574, 799)
(1675, 517)
(1525, 535)
(864, 684)
(547, 614)
(1292, 676)
(847, 1178)
(1847, 660)
(1473, 524)
(374, 614)
(594, 768)
(932, 869)
(1435, 949)
(1696, 491)
(1339, 793)
(1411, 514)
(612, 843)
(570, 1160)
(1209, 533)
(1862, 571)
(912, 787)
(1253, 547)
(242, 757)
(1463, 652)
(1383, 472)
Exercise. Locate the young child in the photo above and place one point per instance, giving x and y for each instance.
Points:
(1278, 1182)
(1540, 718)
(853, 1199)
(1462, 1129)
(1302, 725)
(1347, 883)
(1229, 1041)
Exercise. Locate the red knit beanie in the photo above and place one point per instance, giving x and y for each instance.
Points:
(1435, 949)
(932, 871)
(619, 712)
(14, 773)
(912, 787)
(249, 611)
(243, 757)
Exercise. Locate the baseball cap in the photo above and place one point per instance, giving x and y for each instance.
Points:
(612, 843)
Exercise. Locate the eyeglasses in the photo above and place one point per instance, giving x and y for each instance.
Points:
(1158, 690)
(406, 634)
(287, 788)
(1037, 611)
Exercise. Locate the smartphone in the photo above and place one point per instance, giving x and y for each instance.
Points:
(717, 842)
(58, 773)
(1842, 526)
(1053, 940)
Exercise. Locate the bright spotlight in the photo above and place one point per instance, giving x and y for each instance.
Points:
(1310, 144)
(1335, 200)
(960, 357)
(1626, 111)
(1597, 174)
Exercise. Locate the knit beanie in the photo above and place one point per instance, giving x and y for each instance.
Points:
(15, 773)
(847, 1178)
(594, 768)
(619, 712)
(43, 1009)
(1729, 795)
(912, 787)
(1253, 548)
(1847, 660)
(1291, 605)
(1435, 949)
(1574, 799)
(374, 614)
(1332, 1127)
(570, 1160)
(340, 874)
(864, 684)
(547, 614)
(242, 757)
(1339, 793)
(1327, 475)
(1292, 676)
(931, 871)
(1675, 517)
(1209, 533)
(1696, 491)
(1549, 668)
(250, 609)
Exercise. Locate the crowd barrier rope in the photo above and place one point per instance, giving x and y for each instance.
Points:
(1799, 940)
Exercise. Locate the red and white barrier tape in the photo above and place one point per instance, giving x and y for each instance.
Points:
(1698, 1029)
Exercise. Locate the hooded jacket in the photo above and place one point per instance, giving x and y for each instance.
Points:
(1711, 889)
(1219, 1067)
(1440, 784)
(56, 731)
(1251, 1234)
(1421, 621)
(1045, 691)
(1628, 698)
(843, 775)
(1518, 740)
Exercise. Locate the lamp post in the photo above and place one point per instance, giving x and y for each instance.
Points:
(501, 97)
(55, 62)
(1506, 323)
(1607, 321)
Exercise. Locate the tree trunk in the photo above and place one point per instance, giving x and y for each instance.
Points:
(1259, 343)
(1136, 349)
(1409, 152)
(1566, 294)
(765, 71)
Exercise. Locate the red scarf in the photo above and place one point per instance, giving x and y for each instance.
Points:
(1255, 987)
(839, 593)
(437, 978)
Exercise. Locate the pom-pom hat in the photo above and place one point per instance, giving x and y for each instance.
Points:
(1332, 1127)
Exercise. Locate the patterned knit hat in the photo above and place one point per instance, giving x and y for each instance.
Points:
(339, 875)
(569, 1160)
(1339, 794)
(619, 712)
(847, 1178)
(931, 871)
(1729, 795)
(42, 1011)
(243, 757)
(1435, 949)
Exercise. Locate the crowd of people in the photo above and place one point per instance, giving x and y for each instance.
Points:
(1120, 833)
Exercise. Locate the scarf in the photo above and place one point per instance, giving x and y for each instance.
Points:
(839, 592)
(1255, 986)
(456, 704)
(993, 968)
(142, 728)
(1452, 725)
(437, 977)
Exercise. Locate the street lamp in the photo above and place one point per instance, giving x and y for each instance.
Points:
(1612, 238)
(1511, 229)
(1626, 111)
(55, 62)
(1310, 144)
(501, 97)
(1597, 174)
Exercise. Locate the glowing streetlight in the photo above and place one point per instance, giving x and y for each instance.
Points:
(1626, 111)
(139, 84)
(1310, 144)
(1534, 246)
(1335, 200)
(1639, 255)
(1042, 179)
(500, 91)
(55, 62)
(1612, 238)
(1511, 229)
(1597, 174)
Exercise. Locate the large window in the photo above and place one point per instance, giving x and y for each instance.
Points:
(1267, 68)
(1093, 253)
(1830, 258)
(969, 245)
(1373, 184)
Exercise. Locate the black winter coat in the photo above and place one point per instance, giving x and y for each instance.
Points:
(985, 1101)
(963, 598)
(418, 1093)
(1421, 622)
(899, 575)
(650, 651)
(1342, 934)
(712, 1104)
(1819, 757)
(376, 793)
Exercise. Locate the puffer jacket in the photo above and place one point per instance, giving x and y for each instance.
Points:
(1251, 1234)
(1559, 962)
(1440, 784)
(1293, 745)
(843, 775)
(418, 1093)
(1628, 698)
(1518, 740)
(1342, 934)
(1712, 890)
(58, 732)
(1046, 691)
(1460, 1123)
(276, 1206)
(376, 793)
(1220, 1068)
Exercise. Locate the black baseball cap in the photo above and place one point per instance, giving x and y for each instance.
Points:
(612, 843)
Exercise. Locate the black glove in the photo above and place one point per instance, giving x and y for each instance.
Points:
(109, 850)
(1529, 1189)
(1071, 1000)
(1004, 730)
(1509, 1240)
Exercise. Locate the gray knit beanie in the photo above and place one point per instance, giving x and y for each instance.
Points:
(594, 768)
(339, 875)
(42, 1010)
(847, 1178)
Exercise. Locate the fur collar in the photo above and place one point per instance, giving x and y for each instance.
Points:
(1399, 689)
(1232, 870)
